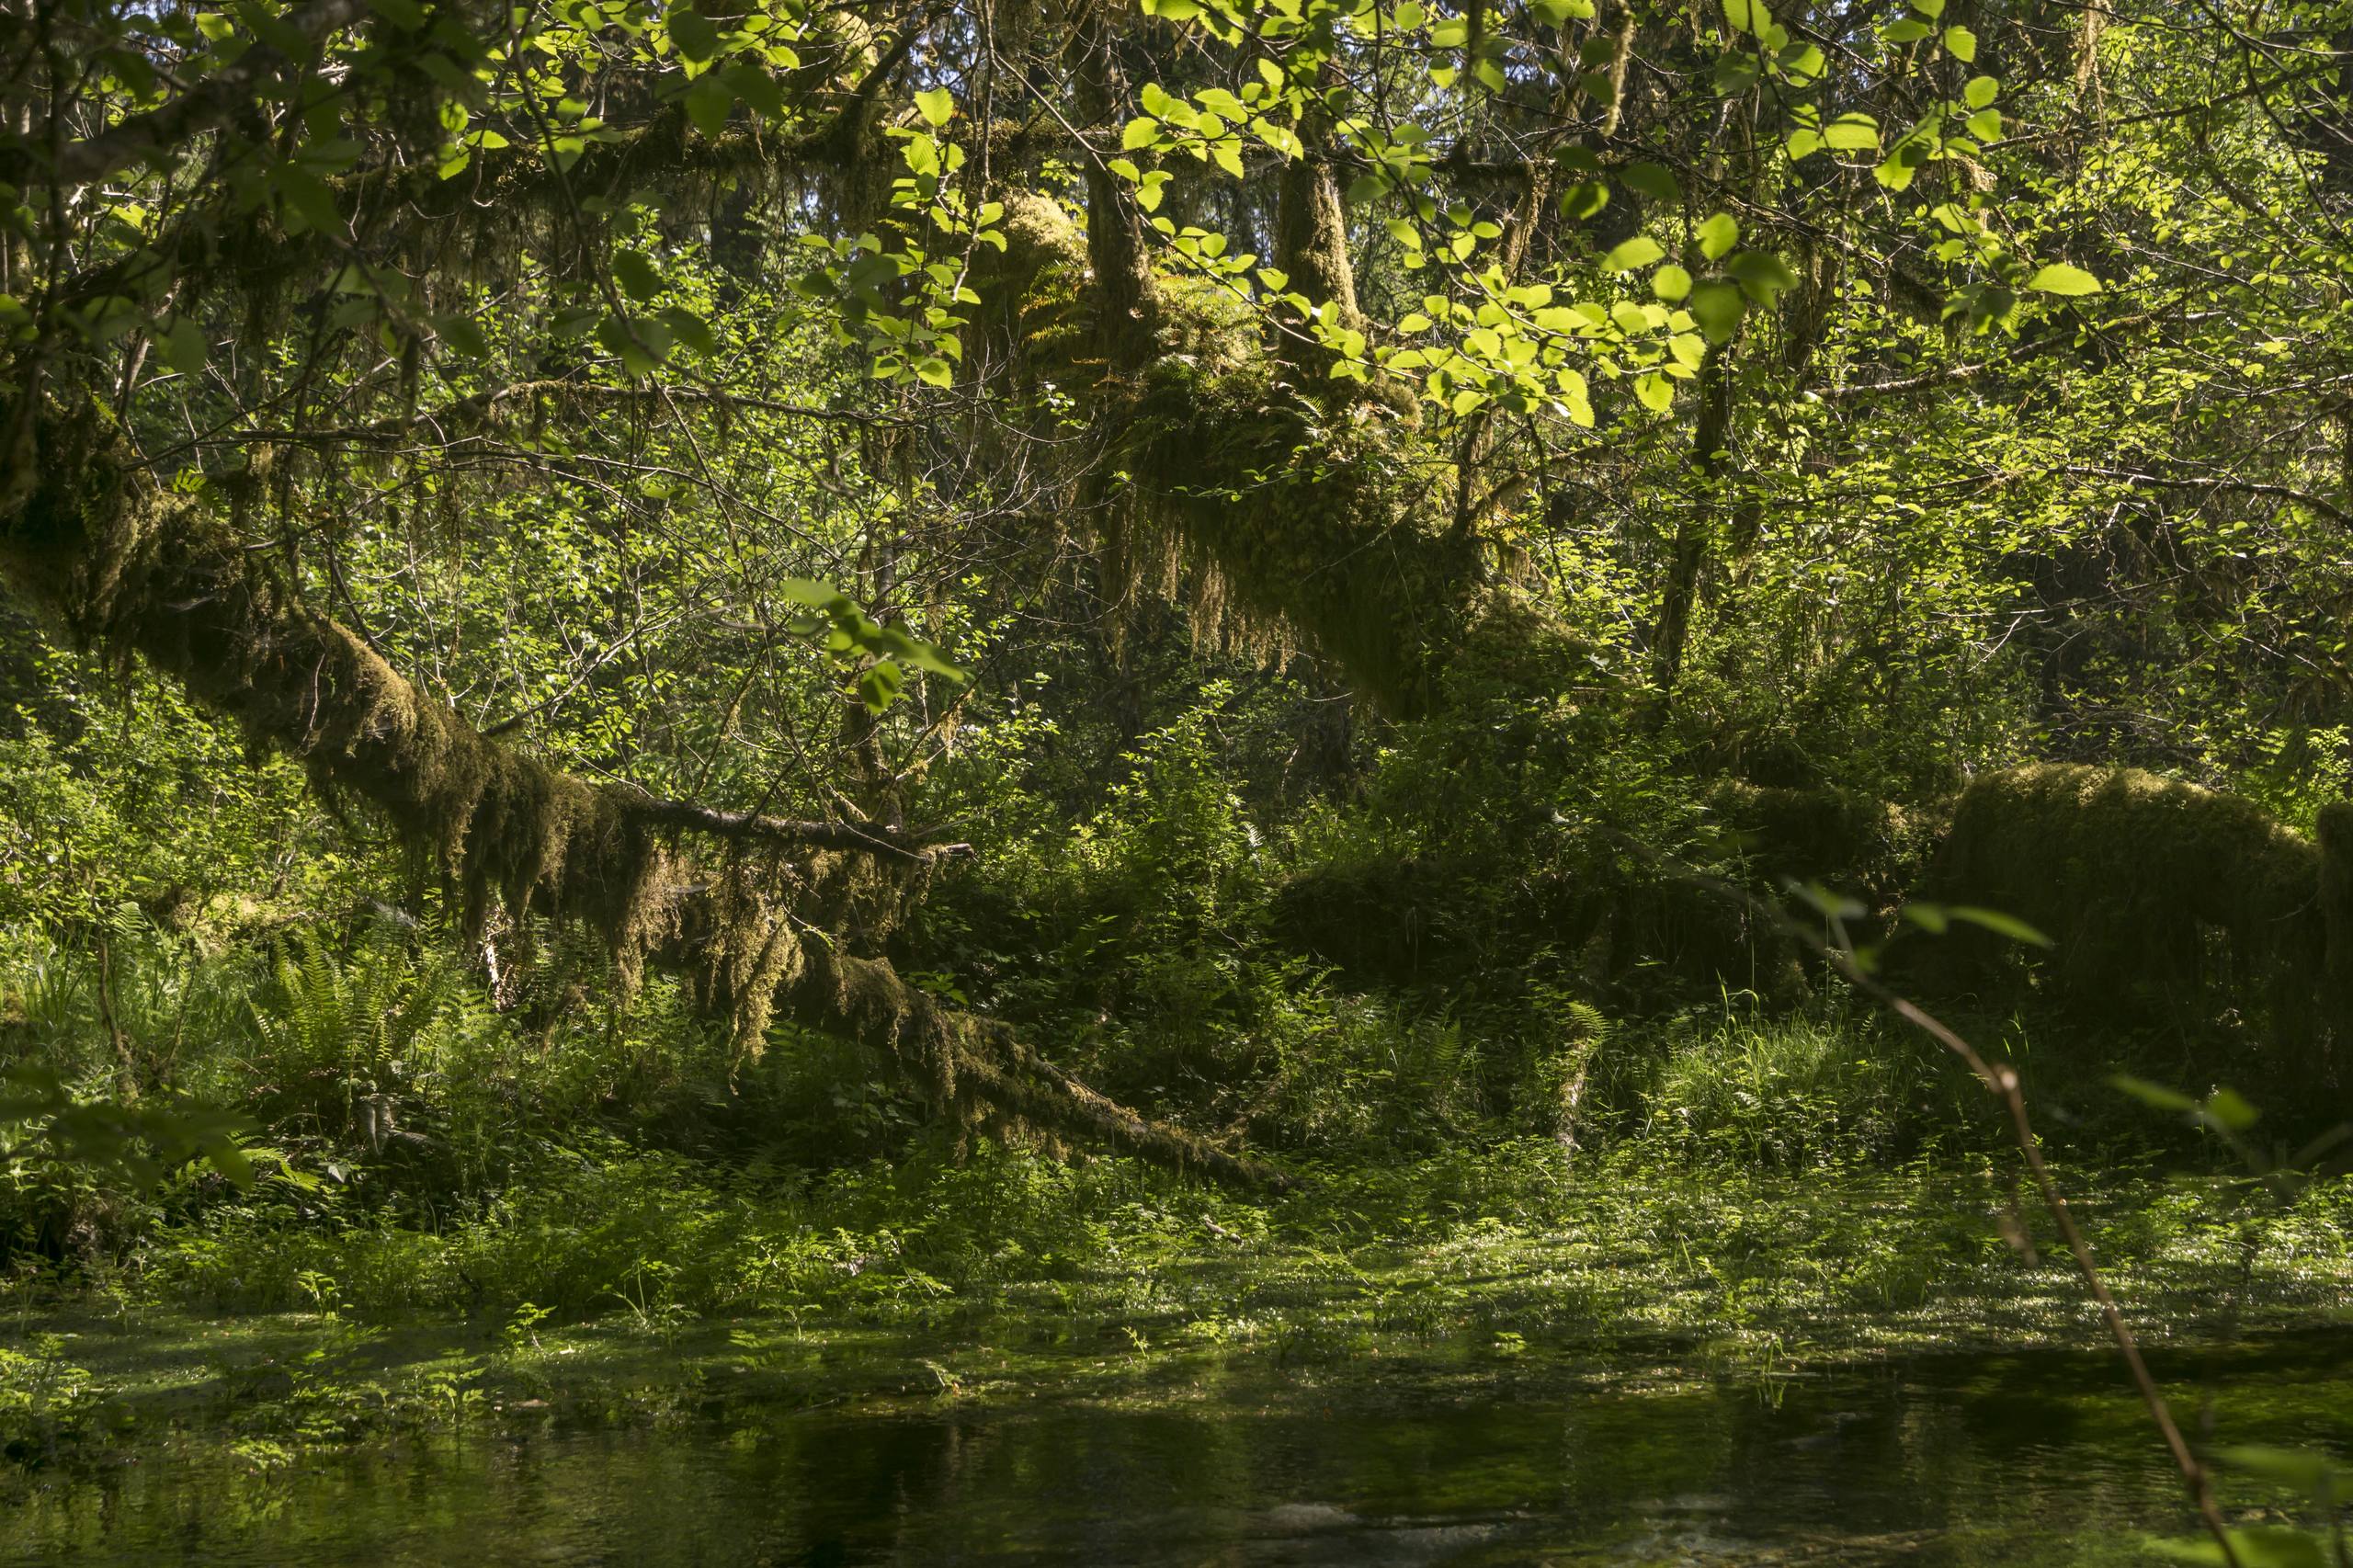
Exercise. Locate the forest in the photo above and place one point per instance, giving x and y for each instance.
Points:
(1176, 781)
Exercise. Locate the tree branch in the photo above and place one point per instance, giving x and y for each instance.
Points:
(208, 106)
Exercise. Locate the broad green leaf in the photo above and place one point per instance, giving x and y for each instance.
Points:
(1981, 91)
(2303, 1470)
(462, 336)
(696, 39)
(2229, 1110)
(1628, 254)
(708, 102)
(1717, 306)
(1718, 235)
(1961, 44)
(1670, 282)
(1583, 199)
(937, 105)
(2061, 278)
(2259, 1546)
(758, 89)
(1762, 273)
(815, 594)
(1851, 133)
(1654, 180)
(690, 329)
(181, 347)
(637, 275)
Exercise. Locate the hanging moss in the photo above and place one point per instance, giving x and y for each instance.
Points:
(123, 569)
(1278, 518)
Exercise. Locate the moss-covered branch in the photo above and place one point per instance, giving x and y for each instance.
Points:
(126, 570)
(1295, 521)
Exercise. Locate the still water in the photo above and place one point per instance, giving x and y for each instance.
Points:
(1940, 1460)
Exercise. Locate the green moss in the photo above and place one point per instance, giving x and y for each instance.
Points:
(2153, 892)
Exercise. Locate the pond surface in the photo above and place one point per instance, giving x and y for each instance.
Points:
(1950, 1460)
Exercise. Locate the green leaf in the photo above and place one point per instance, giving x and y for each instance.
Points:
(182, 346)
(1851, 133)
(1735, 74)
(878, 685)
(461, 335)
(640, 345)
(1717, 306)
(1911, 29)
(2229, 1110)
(1718, 235)
(1961, 44)
(1762, 273)
(1670, 282)
(692, 32)
(935, 372)
(2061, 278)
(1930, 918)
(637, 275)
(1747, 16)
(1583, 199)
(1628, 254)
(1654, 180)
(690, 329)
(2001, 925)
(2299, 1470)
(815, 594)
(937, 106)
(2263, 1546)
(757, 88)
(2156, 1094)
(1981, 91)
(708, 102)
(307, 196)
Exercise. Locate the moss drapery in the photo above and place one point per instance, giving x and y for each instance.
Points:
(128, 571)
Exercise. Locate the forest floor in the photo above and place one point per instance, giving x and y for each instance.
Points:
(1443, 1277)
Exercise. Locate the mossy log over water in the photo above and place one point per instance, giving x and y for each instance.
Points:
(2152, 890)
(128, 571)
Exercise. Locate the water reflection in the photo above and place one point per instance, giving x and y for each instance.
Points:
(2024, 1460)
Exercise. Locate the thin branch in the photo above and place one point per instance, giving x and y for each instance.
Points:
(815, 833)
(2329, 509)
(209, 105)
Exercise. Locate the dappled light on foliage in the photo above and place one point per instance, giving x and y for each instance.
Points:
(755, 704)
